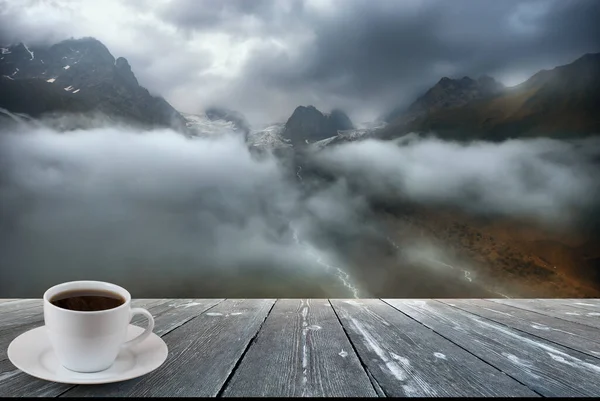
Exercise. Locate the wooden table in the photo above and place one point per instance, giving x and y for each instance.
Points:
(365, 347)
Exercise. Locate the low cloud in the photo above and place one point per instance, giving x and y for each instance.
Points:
(155, 211)
(169, 216)
(550, 180)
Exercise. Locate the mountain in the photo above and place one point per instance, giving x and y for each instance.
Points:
(78, 76)
(307, 125)
(216, 121)
(269, 138)
(448, 93)
(202, 126)
(560, 102)
(236, 118)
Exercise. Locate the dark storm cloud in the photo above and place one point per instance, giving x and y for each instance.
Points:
(215, 14)
(264, 58)
(380, 51)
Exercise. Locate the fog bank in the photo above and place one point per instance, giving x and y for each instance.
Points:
(170, 216)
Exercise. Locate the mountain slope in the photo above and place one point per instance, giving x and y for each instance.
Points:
(557, 103)
(307, 125)
(238, 121)
(78, 76)
(448, 93)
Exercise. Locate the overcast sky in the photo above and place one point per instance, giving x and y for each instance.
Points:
(264, 57)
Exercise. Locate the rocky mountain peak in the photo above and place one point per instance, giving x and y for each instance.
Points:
(124, 73)
(78, 75)
(307, 124)
(449, 93)
(559, 102)
(340, 120)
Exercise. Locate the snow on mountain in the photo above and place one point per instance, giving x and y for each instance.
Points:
(201, 125)
(364, 131)
(269, 138)
(91, 79)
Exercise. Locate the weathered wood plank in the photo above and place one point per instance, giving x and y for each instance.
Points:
(4, 300)
(15, 322)
(177, 312)
(17, 382)
(8, 335)
(547, 327)
(7, 310)
(592, 301)
(547, 368)
(562, 370)
(564, 312)
(579, 329)
(301, 350)
(408, 359)
(202, 354)
(581, 304)
(30, 312)
(148, 302)
(14, 383)
(24, 303)
(20, 317)
(33, 317)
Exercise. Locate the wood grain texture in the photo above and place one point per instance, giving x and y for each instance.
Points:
(573, 335)
(408, 359)
(582, 304)
(11, 312)
(429, 348)
(20, 383)
(593, 301)
(202, 353)
(14, 383)
(31, 311)
(21, 318)
(32, 317)
(545, 367)
(176, 312)
(564, 312)
(301, 350)
(19, 304)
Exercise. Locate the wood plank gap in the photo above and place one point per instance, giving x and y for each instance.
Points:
(69, 389)
(162, 335)
(459, 346)
(523, 331)
(190, 319)
(376, 386)
(250, 343)
(540, 312)
(576, 304)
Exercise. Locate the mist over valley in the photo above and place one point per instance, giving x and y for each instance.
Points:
(263, 187)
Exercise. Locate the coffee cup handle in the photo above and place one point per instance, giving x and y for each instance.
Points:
(149, 328)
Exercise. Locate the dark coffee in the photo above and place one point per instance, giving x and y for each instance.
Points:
(87, 300)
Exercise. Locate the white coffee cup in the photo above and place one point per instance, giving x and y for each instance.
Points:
(90, 341)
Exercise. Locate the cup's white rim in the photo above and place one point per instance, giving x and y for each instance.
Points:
(117, 288)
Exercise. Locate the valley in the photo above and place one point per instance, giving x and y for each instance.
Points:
(315, 206)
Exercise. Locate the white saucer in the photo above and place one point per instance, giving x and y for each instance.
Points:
(32, 353)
